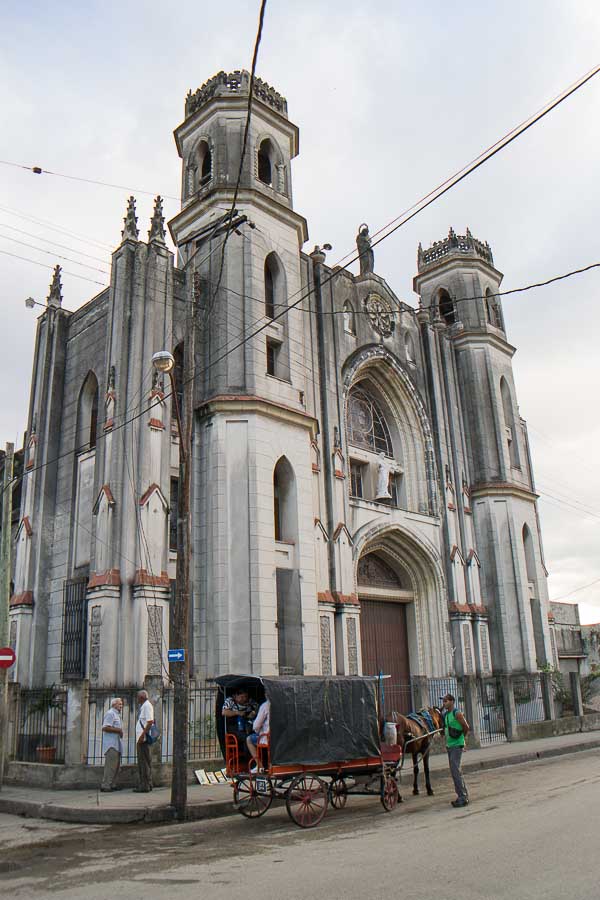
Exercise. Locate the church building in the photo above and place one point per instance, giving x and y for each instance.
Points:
(363, 497)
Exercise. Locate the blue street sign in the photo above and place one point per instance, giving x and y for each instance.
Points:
(176, 655)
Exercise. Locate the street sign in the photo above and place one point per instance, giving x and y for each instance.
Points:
(176, 655)
(7, 657)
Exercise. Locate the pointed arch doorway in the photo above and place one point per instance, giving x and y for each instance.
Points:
(384, 596)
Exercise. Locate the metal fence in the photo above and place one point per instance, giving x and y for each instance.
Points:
(202, 738)
(41, 725)
(490, 708)
(529, 700)
(397, 697)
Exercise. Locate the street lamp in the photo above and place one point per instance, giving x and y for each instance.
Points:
(164, 362)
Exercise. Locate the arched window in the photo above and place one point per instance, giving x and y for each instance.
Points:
(87, 414)
(285, 513)
(270, 286)
(446, 307)
(265, 162)
(205, 160)
(178, 379)
(534, 600)
(409, 347)
(509, 423)
(367, 427)
(349, 322)
(493, 310)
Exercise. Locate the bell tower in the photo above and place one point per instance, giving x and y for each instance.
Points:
(483, 455)
(254, 423)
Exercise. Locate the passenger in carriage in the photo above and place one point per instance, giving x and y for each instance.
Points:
(260, 733)
(239, 711)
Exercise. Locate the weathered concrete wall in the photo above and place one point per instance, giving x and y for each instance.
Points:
(565, 725)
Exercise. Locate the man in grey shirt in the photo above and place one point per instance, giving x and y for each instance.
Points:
(112, 744)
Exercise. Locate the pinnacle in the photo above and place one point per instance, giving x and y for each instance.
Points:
(55, 296)
(130, 231)
(157, 223)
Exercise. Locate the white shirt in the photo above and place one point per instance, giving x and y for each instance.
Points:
(262, 722)
(110, 739)
(146, 715)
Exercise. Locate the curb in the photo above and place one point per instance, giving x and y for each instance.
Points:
(147, 814)
(213, 809)
(531, 756)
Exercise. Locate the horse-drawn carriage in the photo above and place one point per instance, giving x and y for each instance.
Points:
(324, 744)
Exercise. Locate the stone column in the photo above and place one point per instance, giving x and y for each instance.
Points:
(548, 696)
(472, 708)
(510, 712)
(76, 715)
(420, 692)
(575, 684)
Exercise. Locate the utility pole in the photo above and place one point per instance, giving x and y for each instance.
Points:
(5, 573)
(164, 362)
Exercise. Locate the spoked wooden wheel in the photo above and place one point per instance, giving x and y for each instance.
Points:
(251, 802)
(338, 793)
(389, 792)
(306, 800)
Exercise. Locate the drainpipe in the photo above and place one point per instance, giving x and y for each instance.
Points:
(318, 258)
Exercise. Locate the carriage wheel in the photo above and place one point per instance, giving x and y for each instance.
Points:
(306, 800)
(389, 793)
(249, 801)
(338, 793)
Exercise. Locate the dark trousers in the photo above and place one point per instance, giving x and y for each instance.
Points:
(144, 762)
(455, 761)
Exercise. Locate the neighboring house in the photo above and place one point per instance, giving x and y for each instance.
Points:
(363, 494)
(567, 638)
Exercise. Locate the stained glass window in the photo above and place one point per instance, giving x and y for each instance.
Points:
(367, 427)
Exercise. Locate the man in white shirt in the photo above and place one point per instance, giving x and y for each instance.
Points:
(112, 744)
(145, 719)
(259, 736)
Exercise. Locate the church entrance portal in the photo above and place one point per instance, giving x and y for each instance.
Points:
(383, 622)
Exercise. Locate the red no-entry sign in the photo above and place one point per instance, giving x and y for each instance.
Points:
(7, 657)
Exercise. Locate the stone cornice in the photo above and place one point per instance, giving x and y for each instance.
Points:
(454, 262)
(491, 337)
(502, 489)
(249, 403)
(188, 217)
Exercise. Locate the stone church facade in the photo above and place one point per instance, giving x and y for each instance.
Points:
(362, 490)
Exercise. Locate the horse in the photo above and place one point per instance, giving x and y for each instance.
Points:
(414, 736)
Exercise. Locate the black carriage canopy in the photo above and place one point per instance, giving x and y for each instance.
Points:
(313, 719)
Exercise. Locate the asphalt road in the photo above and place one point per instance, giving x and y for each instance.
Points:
(531, 832)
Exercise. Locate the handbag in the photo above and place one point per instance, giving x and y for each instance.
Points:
(153, 734)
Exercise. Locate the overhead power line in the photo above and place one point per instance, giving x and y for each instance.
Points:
(434, 195)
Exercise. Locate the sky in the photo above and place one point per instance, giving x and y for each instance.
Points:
(390, 99)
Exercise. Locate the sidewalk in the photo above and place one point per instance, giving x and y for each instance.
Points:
(91, 807)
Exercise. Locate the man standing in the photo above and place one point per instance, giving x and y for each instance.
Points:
(145, 718)
(456, 729)
(112, 744)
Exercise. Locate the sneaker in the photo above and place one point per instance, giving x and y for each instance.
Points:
(253, 768)
(458, 803)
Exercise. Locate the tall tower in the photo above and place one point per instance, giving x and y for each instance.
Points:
(486, 447)
(252, 611)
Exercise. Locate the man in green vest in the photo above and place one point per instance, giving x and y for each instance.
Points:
(456, 728)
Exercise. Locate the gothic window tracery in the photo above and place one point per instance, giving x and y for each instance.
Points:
(367, 427)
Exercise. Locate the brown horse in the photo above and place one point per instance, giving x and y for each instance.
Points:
(414, 737)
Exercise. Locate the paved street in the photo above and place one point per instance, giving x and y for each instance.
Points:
(530, 832)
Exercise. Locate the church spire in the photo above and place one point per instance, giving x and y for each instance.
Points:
(130, 231)
(55, 296)
(156, 234)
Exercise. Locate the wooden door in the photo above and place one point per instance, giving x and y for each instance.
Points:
(384, 640)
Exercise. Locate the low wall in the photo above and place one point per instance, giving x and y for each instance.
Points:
(80, 777)
(564, 725)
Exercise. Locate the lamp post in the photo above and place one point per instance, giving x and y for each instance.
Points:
(164, 362)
